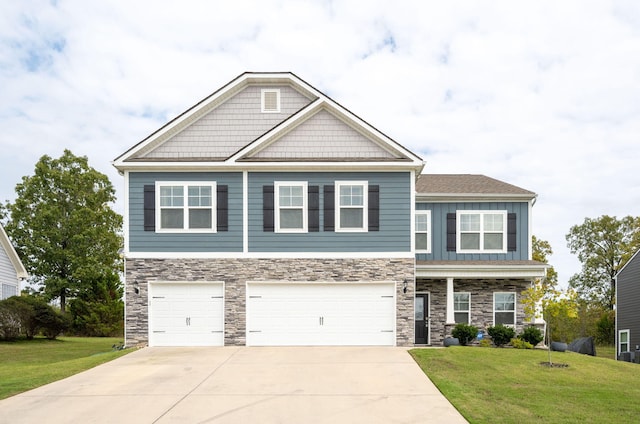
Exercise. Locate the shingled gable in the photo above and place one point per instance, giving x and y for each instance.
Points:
(5, 243)
(298, 135)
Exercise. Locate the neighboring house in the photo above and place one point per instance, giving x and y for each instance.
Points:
(628, 308)
(11, 268)
(268, 214)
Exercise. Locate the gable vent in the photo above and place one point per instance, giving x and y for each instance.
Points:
(271, 101)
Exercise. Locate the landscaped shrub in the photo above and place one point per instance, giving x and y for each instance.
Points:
(485, 343)
(26, 316)
(520, 343)
(532, 335)
(501, 335)
(465, 333)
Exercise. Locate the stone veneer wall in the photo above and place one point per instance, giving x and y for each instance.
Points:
(481, 302)
(236, 272)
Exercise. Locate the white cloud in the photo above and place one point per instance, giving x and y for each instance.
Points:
(542, 95)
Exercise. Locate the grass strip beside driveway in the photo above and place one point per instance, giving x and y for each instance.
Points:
(27, 364)
(493, 385)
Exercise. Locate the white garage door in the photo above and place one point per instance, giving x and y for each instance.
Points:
(308, 314)
(186, 314)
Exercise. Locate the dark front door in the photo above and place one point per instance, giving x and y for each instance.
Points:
(421, 311)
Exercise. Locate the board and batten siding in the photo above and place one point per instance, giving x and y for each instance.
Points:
(150, 241)
(439, 213)
(628, 301)
(8, 275)
(395, 215)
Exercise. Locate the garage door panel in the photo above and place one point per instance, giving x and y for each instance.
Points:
(321, 314)
(185, 314)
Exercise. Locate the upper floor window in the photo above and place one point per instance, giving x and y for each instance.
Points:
(462, 307)
(482, 231)
(270, 100)
(186, 207)
(423, 231)
(504, 308)
(291, 206)
(352, 204)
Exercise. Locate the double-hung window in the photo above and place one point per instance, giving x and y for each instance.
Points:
(623, 341)
(423, 231)
(482, 231)
(504, 308)
(185, 207)
(352, 204)
(291, 207)
(462, 307)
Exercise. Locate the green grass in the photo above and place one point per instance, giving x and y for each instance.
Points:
(490, 385)
(25, 365)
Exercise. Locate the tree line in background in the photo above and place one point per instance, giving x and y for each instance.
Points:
(587, 307)
(69, 240)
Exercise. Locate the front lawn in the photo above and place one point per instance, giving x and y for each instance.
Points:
(25, 365)
(492, 385)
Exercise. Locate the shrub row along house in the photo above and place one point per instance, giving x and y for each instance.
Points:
(268, 214)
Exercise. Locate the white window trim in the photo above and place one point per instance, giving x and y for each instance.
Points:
(468, 311)
(628, 341)
(429, 236)
(262, 100)
(305, 210)
(185, 207)
(482, 232)
(515, 308)
(365, 207)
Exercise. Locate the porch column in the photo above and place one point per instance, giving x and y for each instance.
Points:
(450, 317)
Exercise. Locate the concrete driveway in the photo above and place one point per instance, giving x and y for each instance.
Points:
(241, 385)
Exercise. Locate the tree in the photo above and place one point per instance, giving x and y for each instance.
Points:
(603, 246)
(64, 229)
(542, 289)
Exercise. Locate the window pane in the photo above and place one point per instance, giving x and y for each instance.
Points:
(422, 241)
(461, 317)
(460, 301)
(421, 222)
(171, 218)
(199, 196)
(469, 241)
(200, 218)
(469, 222)
(351, 195)
(493, 222)
(493, 241)
(291, 218)
(505, 318)
(624, 337)
(351, 218)
(171, 196)
(419, 308)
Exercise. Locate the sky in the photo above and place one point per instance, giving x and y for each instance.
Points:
(544, 95)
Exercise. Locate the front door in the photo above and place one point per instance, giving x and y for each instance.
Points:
(421, 311)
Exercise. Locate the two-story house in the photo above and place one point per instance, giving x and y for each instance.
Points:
(11, 268)
(268, 214)
(627, 282)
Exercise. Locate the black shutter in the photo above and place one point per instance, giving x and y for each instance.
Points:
(451, 232)
(329, 208)
(267, 209)
(374, 208)
(149, 207)
(222, 208)
(313, 194)
(511, 232)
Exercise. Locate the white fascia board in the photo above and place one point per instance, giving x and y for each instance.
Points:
(293, 166)
(472, 197)
(269, 255)
(480, 271)
(21, 272)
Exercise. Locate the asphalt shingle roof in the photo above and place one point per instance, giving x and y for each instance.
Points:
(465, 184)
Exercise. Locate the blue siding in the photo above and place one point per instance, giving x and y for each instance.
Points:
(395, 215)
(439, 213)
(149, 241)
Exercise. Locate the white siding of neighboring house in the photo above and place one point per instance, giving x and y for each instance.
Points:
(8, 276)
